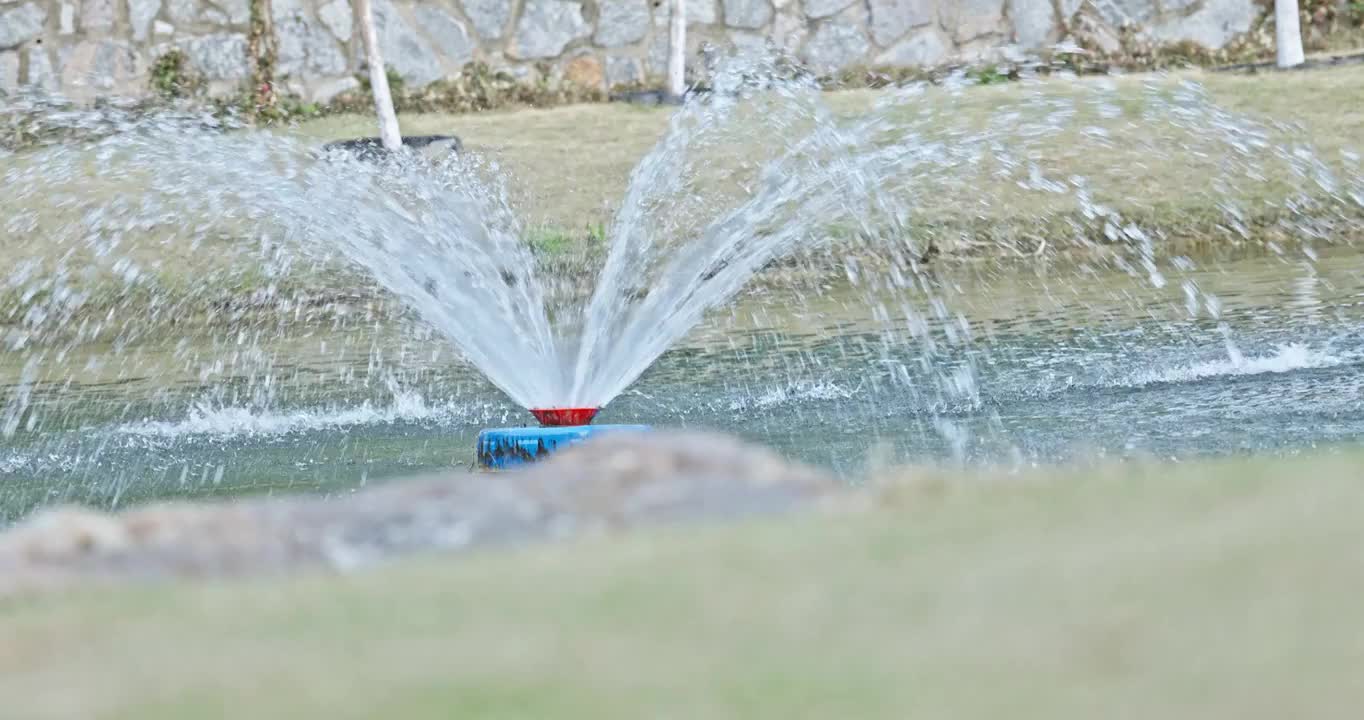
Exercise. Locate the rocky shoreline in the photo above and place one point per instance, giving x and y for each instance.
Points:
(609, 484)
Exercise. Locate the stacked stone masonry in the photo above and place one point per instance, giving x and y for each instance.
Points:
(89, 48)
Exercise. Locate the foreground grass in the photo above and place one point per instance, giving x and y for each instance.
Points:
(1219, 589)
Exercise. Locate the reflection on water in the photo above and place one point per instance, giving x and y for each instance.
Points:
(1002, 364)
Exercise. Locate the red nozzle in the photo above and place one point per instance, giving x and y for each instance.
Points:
(555, 417)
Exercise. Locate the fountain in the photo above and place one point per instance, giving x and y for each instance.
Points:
(191, 302)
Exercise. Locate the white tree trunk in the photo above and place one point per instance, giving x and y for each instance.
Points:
(378, 78)
(677, 49)
(1287, 34)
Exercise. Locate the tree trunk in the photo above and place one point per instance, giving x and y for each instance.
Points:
(677, 49)
(1287, 33)
(378, 78)
(263, 52)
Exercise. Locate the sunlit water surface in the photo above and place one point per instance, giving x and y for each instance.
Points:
(1032, 363)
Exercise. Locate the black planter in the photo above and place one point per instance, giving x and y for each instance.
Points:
(372, 148)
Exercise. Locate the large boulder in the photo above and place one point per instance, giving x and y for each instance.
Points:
(609, 483)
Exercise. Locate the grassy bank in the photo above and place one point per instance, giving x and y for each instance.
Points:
(1214, 589)
(572, 164)
(570, 167)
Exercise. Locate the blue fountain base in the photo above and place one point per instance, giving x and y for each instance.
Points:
(501, 448)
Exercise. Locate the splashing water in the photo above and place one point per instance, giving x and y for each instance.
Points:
(234, 244)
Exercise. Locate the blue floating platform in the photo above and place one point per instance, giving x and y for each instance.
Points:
(502, 448)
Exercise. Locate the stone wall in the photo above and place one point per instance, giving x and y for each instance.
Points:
(88, 48)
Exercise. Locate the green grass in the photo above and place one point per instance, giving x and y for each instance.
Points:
(1212, 589)
(570, 166)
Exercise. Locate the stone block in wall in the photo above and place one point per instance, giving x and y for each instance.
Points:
(9, 71)
(217, 57)
(1213, 25)
(824, 8)
(449, 36)
(623, 70)
(924, 48)
(21, 24)
(621, 22)
(405, 50)
(141, 14)
(489, 17)
(700, 12)
(66, 19)
(94, 68)
(325, 91)
(1120, 13)
(97, 16)
(584, 70)
(1034, 22)
(967, 20)
(748, 14)
(182, 12)
(892, 19)
(238, 12)
(40, 70)
(306, 48)
(744, 41)
(338, 18)
(837, 43)
(546, 28)
(788, 32)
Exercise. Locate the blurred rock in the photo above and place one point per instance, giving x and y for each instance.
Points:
(610, 483)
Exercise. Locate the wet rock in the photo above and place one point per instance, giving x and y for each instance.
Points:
(450, 36)
(825, 8)
(9, 71)
(546, 28)
(217, 57)
(338, 18)
(489, 17)
(21, 24)
(925, 48)
(606, 484)
(100, 67)
(748, 14)
(623, 70)
(141, 13)
(836, 44)
(1034, 22)
(1213, 25)
(891, 19)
